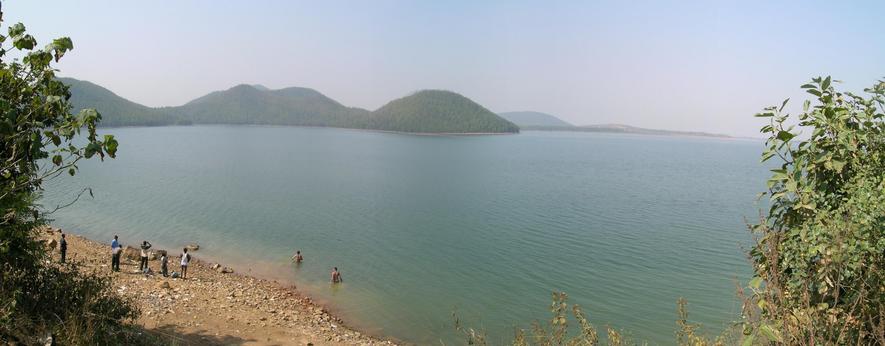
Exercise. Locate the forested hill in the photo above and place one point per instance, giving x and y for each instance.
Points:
(115, 110)
(438, 111)
(246, 104)
(527, 118)
(422, 112)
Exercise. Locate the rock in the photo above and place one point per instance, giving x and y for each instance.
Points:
(51, 243)
(224, 270)
(192, 247)
(215, 266)
(164, 284)
(131, 253)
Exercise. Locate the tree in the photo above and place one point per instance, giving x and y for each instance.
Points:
(38, 133)
(818, 258)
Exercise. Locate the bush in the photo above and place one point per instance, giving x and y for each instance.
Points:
(38, 299)
(818, 258)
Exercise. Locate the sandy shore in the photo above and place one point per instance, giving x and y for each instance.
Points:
(213, 306)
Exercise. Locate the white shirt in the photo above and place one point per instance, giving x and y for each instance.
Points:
(184, 259)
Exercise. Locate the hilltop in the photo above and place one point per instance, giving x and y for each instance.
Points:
(438, 111)
(429, 111)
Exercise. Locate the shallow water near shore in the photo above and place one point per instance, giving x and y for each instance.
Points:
(424, 225)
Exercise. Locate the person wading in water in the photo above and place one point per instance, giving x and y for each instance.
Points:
(336, 275)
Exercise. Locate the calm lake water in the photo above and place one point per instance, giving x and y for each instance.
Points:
(421, 226)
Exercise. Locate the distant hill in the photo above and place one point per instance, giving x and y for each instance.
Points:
(115, 110)
(428, 111)
(618, 128)
(245, 104)
(529, 118)
(438, 111)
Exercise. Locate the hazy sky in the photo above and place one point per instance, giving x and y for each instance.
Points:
(703, 65)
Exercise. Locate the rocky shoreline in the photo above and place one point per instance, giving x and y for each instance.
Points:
(214, 305)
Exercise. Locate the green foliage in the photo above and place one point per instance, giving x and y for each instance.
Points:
(37, 133)
(818, 258)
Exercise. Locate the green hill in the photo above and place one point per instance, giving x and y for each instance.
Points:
(528, 118)
(437, 111)
(423, 112)
(115, 110)
(246, 104)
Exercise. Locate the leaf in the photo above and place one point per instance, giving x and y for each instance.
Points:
(60, 46)
(110, 145)
(785, 136)
(57, 160)
(837, 165)
(91, 149)
(779, 174)
(783, 105)
(756, 282)
(16, 29)
(813, 92)
(771, 333)
(825, 84)
(806, 105)
(748, 341)
(24, 42)
(764, 115)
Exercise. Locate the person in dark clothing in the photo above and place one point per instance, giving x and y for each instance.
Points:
(164, 268)
(116, 249)
(63, 246)
(144, 255)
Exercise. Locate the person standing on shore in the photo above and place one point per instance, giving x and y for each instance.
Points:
(63, 246)
(336, 276)
(164, 268)
(297, 257)
(185, 259)
(115, 254)
(144, 256)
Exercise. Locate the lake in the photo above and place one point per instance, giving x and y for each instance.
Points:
(421, 226)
